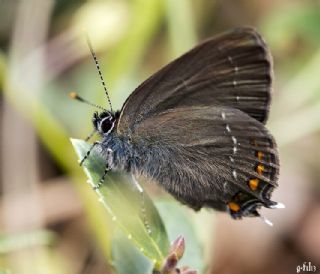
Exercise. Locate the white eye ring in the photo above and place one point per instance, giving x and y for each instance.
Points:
(101, 122)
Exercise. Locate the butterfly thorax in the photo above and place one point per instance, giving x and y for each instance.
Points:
(119, 152)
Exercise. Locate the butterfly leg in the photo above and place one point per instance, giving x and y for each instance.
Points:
(88, 153)
(90, 135)
(101, 181)
(106, 170)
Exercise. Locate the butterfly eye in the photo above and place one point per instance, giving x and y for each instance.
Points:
(106, 124)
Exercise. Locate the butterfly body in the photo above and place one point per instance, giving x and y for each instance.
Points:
(197, 127)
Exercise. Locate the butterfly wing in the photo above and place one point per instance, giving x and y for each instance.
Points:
(213, 156)
(232, 70)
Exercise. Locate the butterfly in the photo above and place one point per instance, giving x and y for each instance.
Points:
(197, 127)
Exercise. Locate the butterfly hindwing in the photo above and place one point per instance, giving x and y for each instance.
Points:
(214, 156)
(231, 70)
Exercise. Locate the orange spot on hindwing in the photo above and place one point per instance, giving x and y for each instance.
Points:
(253, 184)
(260, 155)
(260, 169)
(233, 206)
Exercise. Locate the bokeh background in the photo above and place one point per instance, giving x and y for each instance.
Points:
(50, 221)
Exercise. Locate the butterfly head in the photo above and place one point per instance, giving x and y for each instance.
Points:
(104, 122)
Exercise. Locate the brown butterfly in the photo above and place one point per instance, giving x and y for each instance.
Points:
(197, 127)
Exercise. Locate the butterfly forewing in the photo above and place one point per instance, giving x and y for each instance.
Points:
(232, 69)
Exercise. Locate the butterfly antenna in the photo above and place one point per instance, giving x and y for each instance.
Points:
(75, 96)
(98, 68)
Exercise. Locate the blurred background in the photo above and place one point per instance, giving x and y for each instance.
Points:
(50, 220)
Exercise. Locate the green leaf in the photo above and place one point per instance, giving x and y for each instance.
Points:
(125, 206)
(127, 259)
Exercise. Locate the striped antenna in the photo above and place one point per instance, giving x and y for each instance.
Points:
(75, 96)
(98, 68)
